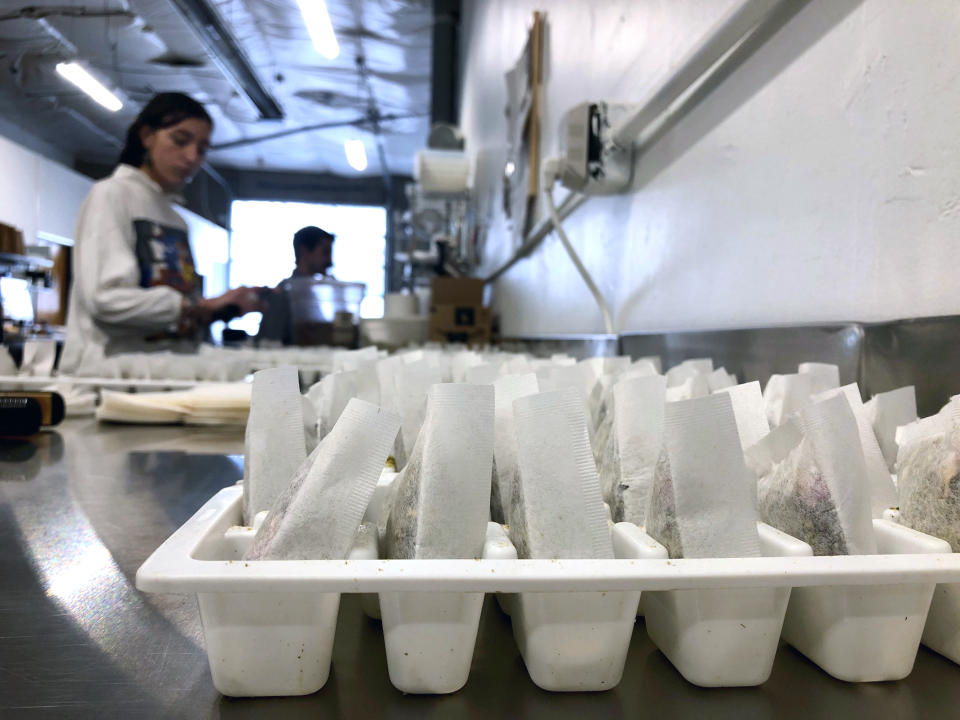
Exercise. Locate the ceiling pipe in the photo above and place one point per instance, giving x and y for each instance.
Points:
(228, 56)
(356, 122)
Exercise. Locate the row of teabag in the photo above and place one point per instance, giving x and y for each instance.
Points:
(541, 444)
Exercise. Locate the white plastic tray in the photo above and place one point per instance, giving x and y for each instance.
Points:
(270, 625)
(187, 562)
(942, 631)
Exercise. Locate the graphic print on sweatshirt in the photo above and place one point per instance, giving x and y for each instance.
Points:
(164, 257)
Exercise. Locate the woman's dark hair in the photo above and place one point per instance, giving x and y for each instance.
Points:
(163, 111)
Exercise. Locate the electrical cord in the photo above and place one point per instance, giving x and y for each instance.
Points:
(558, 226)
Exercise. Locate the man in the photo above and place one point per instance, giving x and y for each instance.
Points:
(313, 252)
(313, 249)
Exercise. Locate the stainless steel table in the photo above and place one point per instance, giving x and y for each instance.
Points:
(82, 507)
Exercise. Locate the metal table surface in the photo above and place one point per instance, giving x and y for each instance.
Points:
(83, 506)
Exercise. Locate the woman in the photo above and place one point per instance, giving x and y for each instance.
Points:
(135, 287)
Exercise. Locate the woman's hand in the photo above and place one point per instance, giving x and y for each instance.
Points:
(233, 303)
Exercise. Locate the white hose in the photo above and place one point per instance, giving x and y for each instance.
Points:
(558, 226)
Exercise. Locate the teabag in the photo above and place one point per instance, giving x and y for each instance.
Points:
(441, 500)
(557, 510)
(483, 374)
(785, 395)
(413, 382)
(719, 379)
(311, 429)
(387, 370)
(701, 503)
(461, 362)
(886, 412)
(653, 360)
(636, 438)
(579, 377)
(644, 367)
(752, 424)
(928, 472)
(823, 376)
(38, 358)
(883, 493)
(695, 386)
(346, 360)
(330, 396)
(816, 486)
(317, 515)
(7, 365)
(275, 445)
(506, 389)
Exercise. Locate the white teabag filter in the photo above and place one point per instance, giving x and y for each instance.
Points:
(626, 472)
(483, 374)
(785, 395)
(823, 376)
(819, 491)
(653, 360)
(886, 412)
(719, 379)
(701, 503)
(580, 377)
(330, 396)
(413, 381)
(38, 358)
(462, 361)
(557, 510)
(367, 382)
(275, 445)
(317, 515)
(774, 447)
(643, 367)
(346, 360)
(311, 424)
(387, 370)
(7, 365)
(928, 472)
(752, 425)
(506, 389)
(442, 498)
(695, 386)
(679, 374)
(703, 366)
(883, 493)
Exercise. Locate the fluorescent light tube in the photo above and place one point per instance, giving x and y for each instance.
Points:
(90, 85)
(317, 20)
(356, 154)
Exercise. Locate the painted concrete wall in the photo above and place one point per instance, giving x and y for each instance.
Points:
(820, 182)
(37, 194)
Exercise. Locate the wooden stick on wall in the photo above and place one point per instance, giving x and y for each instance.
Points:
(533, 118)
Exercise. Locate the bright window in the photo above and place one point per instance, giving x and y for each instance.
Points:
(261, 250)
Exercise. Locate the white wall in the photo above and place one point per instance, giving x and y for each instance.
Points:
(820, 182)
(37, 194)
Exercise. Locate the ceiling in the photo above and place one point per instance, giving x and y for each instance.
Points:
(140, 47)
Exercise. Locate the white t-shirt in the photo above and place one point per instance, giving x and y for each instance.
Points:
(110, 309)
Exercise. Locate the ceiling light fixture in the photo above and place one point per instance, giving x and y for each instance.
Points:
(317, 19)
(78, 75)
(356, 154)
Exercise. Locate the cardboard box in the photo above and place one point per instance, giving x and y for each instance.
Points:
(456, 291)
(460, 324)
